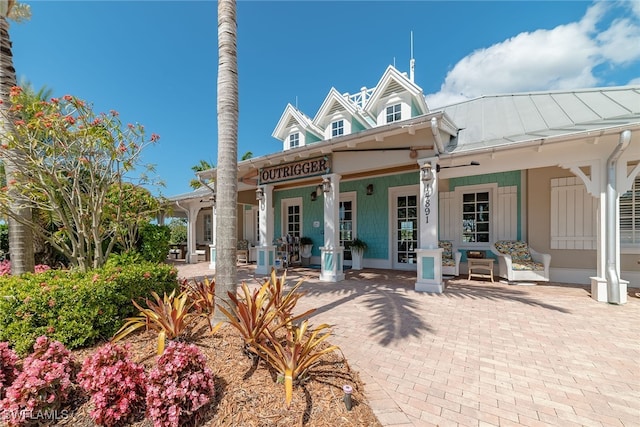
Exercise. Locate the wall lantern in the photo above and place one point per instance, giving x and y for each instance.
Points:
(314, 196)
(326, 184)
(260, 197)
(369, 189)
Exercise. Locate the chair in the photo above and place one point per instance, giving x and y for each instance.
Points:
(242, 252)
(450, 259)
(518, 261)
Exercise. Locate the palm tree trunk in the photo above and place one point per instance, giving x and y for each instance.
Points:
(227, 173)
(20, 234)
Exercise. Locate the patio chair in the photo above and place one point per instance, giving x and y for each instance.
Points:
(242, 252)
(450, 258)
(517, 261)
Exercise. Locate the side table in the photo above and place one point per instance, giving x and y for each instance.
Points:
(485, 265)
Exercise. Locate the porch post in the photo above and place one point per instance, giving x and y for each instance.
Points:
(429, 255)
(266, 252)
(212, 246)
(191, 235)
(331, 254)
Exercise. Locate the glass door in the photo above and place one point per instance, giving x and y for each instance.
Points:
(347, 225)
(405, 231)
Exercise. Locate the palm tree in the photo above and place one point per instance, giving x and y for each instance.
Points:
(200, 167)
(20, 235)
(227, 173)
(246, 156)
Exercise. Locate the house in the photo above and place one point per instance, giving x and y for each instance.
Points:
(557, 169)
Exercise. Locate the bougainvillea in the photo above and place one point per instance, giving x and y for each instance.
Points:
(178, 386)
(115, 383)
(5, 268)
(43, 386)
(8, 370)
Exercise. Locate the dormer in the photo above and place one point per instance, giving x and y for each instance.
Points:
(339, 116)
(295, 129)
(395, 98)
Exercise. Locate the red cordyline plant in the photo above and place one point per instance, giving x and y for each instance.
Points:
(8, 369)
(116, 384)
(43, 386)
(178, 386)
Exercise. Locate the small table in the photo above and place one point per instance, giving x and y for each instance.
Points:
(483, 264)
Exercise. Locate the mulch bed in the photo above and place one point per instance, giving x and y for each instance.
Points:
(247, 391)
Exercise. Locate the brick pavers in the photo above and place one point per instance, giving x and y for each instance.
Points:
(480, 354)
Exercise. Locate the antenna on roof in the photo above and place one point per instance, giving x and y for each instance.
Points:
(412, 62)
(394, 62)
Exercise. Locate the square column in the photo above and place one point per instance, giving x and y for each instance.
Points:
(429, 255)
(266, 252)
(331, 254)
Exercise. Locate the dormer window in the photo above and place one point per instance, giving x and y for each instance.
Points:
(337, 128)
(394, 113)
(294, 140)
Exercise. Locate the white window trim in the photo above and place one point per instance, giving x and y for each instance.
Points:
(492, 189)
(284, 203)
(351, 196)
(391, 214)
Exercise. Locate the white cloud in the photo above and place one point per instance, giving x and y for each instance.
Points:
(635, 81)
(561, 58)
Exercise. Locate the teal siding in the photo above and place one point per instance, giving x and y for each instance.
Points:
(356, 126)
(503, 179)
(428, 268)
(310, 138)
(311, 211)
(415, 111)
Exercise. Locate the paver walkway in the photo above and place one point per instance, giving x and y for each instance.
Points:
(480, 354)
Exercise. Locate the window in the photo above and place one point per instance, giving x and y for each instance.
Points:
(630, 215)
(294, 140)
(337, 128)
(475, 217)
(208, 230)
(393, 113)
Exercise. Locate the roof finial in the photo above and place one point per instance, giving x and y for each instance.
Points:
(412, 62)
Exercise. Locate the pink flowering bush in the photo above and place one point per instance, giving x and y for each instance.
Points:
(178, 386)
(5, 268)
(8, 370)
(115, 383)
(42, 387)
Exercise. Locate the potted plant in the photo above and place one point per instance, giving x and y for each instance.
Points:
(306, 244)
(357, 248)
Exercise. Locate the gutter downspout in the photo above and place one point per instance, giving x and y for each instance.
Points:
(436, 135)
(613, 280)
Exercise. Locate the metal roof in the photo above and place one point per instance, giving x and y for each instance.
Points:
(504, 120)
(202, 192)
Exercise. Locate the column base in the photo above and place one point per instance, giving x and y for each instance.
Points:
(331, 264)
(599, 290)
(429, 271)
(212, 257)
(265, 259)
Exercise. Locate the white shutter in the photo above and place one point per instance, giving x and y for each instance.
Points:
(507, 224)
(573, 215)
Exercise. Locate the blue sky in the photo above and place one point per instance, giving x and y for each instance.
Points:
(156, 61)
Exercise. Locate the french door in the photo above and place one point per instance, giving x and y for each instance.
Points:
(405, 229)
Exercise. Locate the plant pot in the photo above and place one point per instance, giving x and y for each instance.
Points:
(356, 259)
(305, 254)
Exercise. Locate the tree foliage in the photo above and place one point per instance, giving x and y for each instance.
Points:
(75, 166)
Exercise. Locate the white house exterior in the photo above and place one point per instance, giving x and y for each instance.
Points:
(557, 169)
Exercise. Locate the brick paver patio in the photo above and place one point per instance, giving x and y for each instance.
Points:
(481, 354)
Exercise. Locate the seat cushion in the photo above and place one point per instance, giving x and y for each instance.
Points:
(527, 266)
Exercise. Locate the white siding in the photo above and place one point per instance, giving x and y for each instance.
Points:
(507, 211)
(447, 216)
(573, 215)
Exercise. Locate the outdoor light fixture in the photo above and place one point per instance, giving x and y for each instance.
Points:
(369, 189)
(260, 197)
(314, 196)
(326, 184)
(427, 174)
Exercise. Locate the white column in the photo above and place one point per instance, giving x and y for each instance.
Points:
(266, 252)
(212, 246)
(191, 235)
(428, 255)
(331, 254)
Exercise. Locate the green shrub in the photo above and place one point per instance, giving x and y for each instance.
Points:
(77, 309)
(154, 242)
